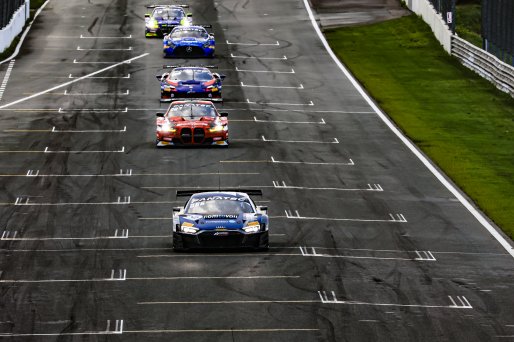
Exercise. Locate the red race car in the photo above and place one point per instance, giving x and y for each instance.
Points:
(189, 123)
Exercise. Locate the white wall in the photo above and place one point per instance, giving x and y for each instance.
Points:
(15, 26)
(441, 31)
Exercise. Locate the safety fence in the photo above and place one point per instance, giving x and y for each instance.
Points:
(485, 64)
(498, 28)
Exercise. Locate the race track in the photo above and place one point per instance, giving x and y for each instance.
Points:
(366, 243)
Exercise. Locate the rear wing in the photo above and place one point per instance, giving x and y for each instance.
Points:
(153, 6)
(189, 193)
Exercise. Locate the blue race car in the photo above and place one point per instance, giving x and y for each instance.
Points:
(189, 41)
(190, 82)
(220, 219)
(164, 18)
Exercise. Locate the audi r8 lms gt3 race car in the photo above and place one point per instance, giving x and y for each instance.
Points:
(220, 219)
(164, 18)
(190, 82)
(189, 41)
(189, 123)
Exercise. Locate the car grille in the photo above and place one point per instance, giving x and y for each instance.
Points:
(232, 239)
(186, 136)
(182, 51)
(199, 135)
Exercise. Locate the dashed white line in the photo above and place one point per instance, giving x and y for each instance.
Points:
(283, 58)
(266, 71)
(254, 44)
(6, 78)
(300, 87)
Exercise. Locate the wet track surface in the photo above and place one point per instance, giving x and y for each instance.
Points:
(366, 244)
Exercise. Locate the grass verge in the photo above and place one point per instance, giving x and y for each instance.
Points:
(461, 121)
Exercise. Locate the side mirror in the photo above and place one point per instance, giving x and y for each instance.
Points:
(147, 15)
(223, 114)
(159, 114)
(263, 208)
(189, 15)
(211, 34)
(223, 76)
(177, 209)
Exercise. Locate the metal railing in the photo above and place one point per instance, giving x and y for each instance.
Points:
(7, 9)
(485, 64)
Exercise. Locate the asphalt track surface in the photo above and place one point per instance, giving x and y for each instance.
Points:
(366, 244)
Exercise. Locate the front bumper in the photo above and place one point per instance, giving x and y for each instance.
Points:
(216, 239)
(187, 136)
(188, 51)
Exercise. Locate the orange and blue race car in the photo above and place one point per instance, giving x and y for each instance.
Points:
(190, 82)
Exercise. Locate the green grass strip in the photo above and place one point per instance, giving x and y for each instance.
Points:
(461, 121)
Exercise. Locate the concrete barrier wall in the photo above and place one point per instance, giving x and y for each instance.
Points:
(441, 31)
(15, 26)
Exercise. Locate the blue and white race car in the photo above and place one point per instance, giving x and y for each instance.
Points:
(190, 82)
(189, 41)
(220, 219)
(164, 18)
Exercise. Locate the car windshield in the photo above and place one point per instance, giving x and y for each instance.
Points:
(189, 33)
(219, 207)
(168, 13)
(191, 74)
(192, 110)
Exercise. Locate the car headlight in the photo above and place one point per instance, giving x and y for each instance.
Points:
(188, 228)
(252, 227)
(152, 24)
(166, 128)
(218, 128)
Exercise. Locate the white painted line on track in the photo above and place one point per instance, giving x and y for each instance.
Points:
(273, 160)
(266, 71)
(312, 252)
(92, 110)
(127, 92)
(6, 78)
(117, 329)
(103, 37)
(98, 62)
(349, 163)
(327, 297)
(300, 87)
(144, 279)
(129, 172)
(233, 302)
(456, 192)
(283, 185)
(73, 81)
(321, 122)
(290, 214)
(106, 77)
(283, 58)
(335, 141)
(277, 103)
(277, 43)
(82, 49)
(123, 130)
(217, 331)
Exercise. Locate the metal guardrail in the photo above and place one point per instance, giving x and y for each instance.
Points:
(7, 9)
(485, 64)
